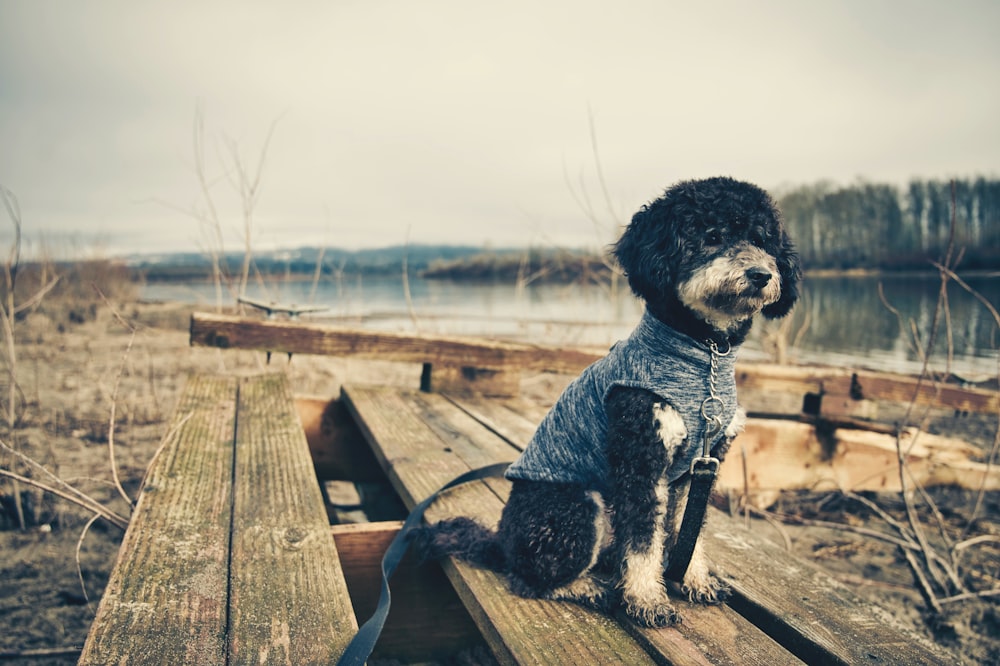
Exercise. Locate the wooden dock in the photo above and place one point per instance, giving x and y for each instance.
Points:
(229, 557)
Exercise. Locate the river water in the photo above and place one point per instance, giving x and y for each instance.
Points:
(874, 322)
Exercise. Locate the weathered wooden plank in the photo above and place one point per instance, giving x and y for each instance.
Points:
(410, 447)
(229, 332)
(781, 388)
(470, 379)
(167, 598)
(512, 419)
(806, 610)
(861, 385)
(785, 455)
(427, 620)
(288, 601)
(462, 434)
(518, 630)
(713, 635)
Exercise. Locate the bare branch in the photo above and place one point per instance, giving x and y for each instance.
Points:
(112, 420)
(975, 541)
(79, 544)
(35, 299)
(79, 499)
(970, 595)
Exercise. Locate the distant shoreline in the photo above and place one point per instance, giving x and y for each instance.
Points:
(553, 275)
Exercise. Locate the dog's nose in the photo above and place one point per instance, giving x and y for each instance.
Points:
(758, 277)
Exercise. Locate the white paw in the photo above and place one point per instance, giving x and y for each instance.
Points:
(704, 588)
(737, 424)
(655, 612)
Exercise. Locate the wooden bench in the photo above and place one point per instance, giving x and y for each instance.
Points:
(228, 557)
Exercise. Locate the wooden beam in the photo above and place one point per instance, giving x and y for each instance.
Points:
(786, 455)
(764, 387)
(289, 602)
(767, 379)
(230, 332)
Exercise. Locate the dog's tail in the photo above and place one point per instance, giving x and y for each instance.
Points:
(463, 538)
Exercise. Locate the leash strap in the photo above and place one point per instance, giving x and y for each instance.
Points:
(361, 646)
(704, 469)
(703, 472)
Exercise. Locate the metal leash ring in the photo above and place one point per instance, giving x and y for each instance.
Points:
(711, 410)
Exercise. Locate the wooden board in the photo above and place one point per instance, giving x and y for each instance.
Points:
(765, 388)
(786, 455)
(801, 606)
(230, 332)
(228, 557)
(713, 635)
(166, 602)
(288, 601)
(843, 386)
(512, 419)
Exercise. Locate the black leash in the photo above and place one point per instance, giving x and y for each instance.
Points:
(704, 469)
(703, 472)
(361, 646)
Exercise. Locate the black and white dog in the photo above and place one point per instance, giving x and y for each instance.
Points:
(598, 495)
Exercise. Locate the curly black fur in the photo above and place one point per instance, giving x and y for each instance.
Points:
(544, 540)
(692, 223)
(463, 538)
(705, 257)
(637, 459)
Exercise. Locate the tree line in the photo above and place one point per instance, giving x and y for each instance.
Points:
(871, 225)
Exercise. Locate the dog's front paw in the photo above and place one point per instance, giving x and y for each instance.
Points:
(651, 614)
(589, 591)
(705, 589)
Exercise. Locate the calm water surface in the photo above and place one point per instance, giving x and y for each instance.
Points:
(875, 322)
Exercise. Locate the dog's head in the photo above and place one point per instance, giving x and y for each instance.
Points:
(718, 248)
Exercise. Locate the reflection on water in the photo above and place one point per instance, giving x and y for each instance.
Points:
(842, 320)
(889, 321)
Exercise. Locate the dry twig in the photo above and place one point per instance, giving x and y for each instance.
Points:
(75, 497)
(79, 567)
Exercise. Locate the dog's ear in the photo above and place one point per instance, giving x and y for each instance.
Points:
(791, 274)
(646, 252)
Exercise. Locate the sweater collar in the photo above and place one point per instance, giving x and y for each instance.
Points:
(660, 339)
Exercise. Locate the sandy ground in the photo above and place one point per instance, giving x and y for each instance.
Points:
(51, 580)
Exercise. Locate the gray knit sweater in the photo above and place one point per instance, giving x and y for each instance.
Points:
(569, 445)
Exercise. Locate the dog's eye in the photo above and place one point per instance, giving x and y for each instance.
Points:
(757, 238)
(713, 238)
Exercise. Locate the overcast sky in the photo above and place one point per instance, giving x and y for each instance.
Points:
(469, 122)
